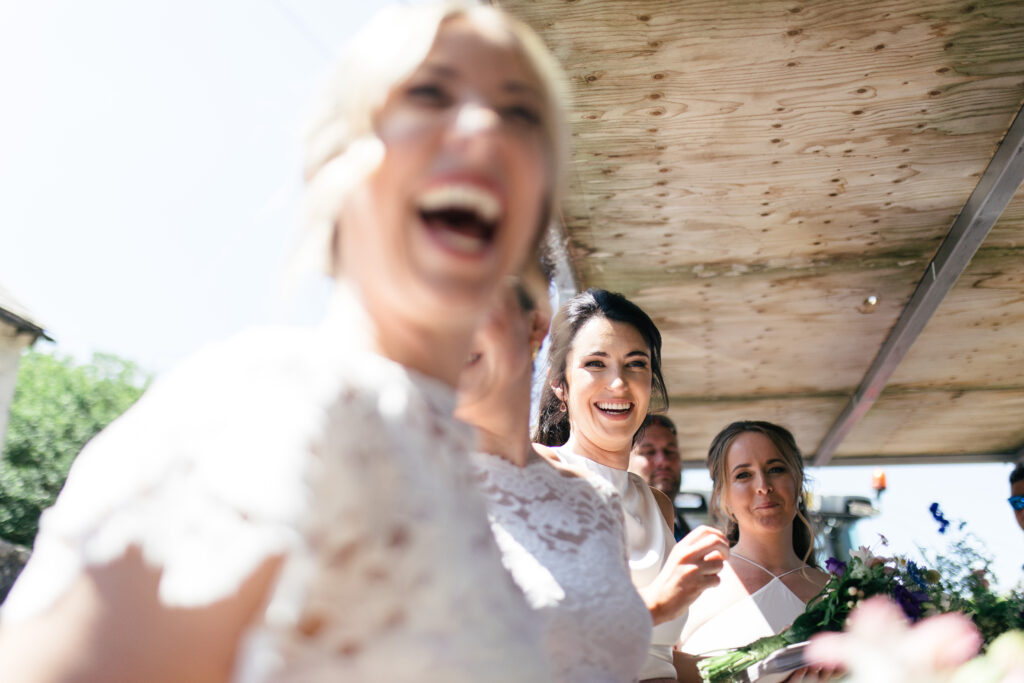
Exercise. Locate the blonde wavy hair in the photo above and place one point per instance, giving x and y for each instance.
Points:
(342, 147)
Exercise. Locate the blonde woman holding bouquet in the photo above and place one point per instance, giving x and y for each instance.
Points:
(758, 483)
(294, 504)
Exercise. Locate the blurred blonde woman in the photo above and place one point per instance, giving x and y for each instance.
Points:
(293, 505)
(560, 531)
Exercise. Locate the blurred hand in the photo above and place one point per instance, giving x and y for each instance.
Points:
(690, 569)
(815, 673)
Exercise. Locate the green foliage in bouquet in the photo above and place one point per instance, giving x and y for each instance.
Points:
(959, 582)
(865, 575)
(963, 584)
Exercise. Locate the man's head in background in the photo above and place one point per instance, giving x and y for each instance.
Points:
(655, 455)
(1017, 493)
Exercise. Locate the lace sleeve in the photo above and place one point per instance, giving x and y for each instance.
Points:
(203, 474)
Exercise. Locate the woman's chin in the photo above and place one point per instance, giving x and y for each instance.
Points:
(775, 523)
(618, 436)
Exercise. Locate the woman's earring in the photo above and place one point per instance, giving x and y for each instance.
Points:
(562, 408)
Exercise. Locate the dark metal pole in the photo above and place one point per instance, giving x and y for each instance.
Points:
(994, 191)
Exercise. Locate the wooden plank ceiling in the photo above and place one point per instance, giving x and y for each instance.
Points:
(751, 172)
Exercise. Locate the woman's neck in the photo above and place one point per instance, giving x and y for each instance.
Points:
(439, 352)
(774, 551)
(502, 422)
(581, 445)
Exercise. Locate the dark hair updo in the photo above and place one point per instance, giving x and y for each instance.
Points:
(552, 423)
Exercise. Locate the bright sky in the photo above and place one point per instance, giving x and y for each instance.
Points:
(975, 494)
(149, 160)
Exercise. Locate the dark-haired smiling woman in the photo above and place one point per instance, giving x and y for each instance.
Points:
(560, 530)
(604, 364)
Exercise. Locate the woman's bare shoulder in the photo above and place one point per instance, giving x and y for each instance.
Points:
(817, 576)
(549, 455)
(808, 583)
(668, 510)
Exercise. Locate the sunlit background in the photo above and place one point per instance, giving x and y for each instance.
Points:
(149, 159)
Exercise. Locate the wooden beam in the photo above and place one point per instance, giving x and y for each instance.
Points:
(994, 191)
(883, 460)
(926, 459)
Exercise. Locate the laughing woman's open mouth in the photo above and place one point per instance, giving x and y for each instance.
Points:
(615, 409)
(461, 217)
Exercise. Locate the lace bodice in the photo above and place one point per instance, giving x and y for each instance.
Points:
(649, 541)
(286, 442)
(562, 538)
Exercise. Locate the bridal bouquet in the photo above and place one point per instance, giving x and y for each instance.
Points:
(957, 582)
(879, 644)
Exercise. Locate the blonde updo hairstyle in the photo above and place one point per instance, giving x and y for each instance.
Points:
(342, 146)
(785, 444)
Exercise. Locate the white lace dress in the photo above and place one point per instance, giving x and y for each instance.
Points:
(292, 442)
(649, 541)
(562, 538)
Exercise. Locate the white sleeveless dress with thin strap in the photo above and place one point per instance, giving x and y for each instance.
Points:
(649, 540)
(562, 538)
(296, 443)
(765, 612)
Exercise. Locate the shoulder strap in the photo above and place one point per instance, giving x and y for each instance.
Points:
(750, 561)
(795, 569)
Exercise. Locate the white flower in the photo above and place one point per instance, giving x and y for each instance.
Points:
(863, 554)
(859, 560)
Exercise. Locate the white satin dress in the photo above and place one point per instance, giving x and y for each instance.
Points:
(301, 444)
(649, 541)
(765, 612)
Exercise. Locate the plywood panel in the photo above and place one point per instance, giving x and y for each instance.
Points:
(940, 422)
(1008, 232)
(775, 332)
(751, 171)
(699, 421)
(742, 132)
(976, 338)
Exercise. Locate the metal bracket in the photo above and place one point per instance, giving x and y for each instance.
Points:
(995, 189)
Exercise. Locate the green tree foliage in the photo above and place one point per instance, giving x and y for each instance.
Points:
(58, 406)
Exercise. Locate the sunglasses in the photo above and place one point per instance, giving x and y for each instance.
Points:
(1016, 502)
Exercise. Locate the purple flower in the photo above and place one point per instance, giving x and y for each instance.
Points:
(910, 601)
(836, 567)
(939, 517)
